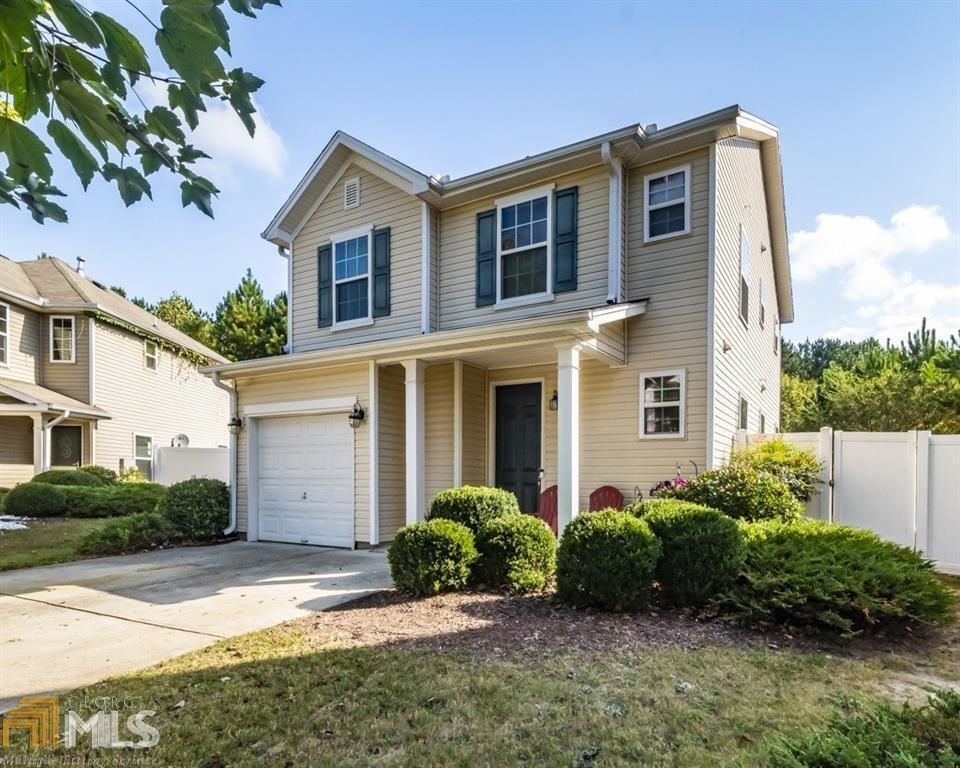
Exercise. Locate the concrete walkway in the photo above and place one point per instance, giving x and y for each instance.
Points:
(63, 626)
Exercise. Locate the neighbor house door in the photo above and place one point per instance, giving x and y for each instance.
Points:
(517, 441)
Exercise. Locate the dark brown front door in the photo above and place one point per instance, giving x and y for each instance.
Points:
(518, 423)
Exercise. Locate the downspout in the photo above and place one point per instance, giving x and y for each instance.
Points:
(288, 347)
(615, 222)
(232, 522)
(47, 431)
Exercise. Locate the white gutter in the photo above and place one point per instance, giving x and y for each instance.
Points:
(425, 268)
(288, 347)
(46, 436)
(615, 222)
(234, 411)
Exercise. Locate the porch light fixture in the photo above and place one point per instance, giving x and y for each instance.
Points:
(356, 416)
(552, 405)
(235, 425)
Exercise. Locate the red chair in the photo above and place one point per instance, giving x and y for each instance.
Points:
(547, 508)
(606, 496)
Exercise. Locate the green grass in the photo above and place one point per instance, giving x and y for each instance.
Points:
(44, 542)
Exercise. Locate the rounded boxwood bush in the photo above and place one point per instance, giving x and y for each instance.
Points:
(199, 507)
(112, 500)
(741, 492)
(606, 559)
(67, 477)
(702, 549)
(797, 467)
(35, 500)
(106, 475)
(431, 557)
(833, 580)
(517, 552)
(133, 533)
(473, 505)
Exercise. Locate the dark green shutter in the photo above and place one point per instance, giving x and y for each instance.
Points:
(565, 240)
(381, 272)
(486, 258)
(324, 286)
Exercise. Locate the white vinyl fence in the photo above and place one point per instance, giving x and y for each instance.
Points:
(175, 464)
(904, 486)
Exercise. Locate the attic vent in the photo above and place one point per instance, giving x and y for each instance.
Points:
(351, 193)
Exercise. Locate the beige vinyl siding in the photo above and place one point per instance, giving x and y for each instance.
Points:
(458, 263)
(346, 381)
(391, 471)
(382, 205)
(71, 379)
(16, 450)
(474, 420)
(23, 345)
(438, 429)
(751, 363)
(171, 400)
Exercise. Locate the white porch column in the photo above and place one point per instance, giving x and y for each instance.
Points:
(415, 454)
(568, 434)
(39, 450)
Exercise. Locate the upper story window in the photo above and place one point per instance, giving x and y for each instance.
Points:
(4, 333)
(151, 355)
(763, 306)
(744, 412)
(666, 210)
(351, 277)
(524, 226)
(744, 276)
(662, 407)
(351, 193)
(63, 339)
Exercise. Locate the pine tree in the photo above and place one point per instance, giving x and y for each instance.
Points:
(246, 325)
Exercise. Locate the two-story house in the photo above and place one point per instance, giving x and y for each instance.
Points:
(596, 314)
(87, 377)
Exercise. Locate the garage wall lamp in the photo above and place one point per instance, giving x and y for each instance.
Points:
(356, 416)
(554, 402)
(235, 425)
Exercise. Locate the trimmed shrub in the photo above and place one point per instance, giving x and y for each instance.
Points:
(131, 474)
(431, 557)
(740, 492)
(35, 500)
(473, 505)
(106, 475)
(833, 580)
(517, 552)
(3, 493)
(702, 549)
(133, 533)
(199, 507)
(606, 559)
(879, 734)
(797, 467)
(67, 477)
(113, 500)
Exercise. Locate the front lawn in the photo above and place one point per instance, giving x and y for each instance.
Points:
(44, 542)
(485, 680)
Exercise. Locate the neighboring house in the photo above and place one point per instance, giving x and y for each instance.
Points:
(87, 377)
(596, 314)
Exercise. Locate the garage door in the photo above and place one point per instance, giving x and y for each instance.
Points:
(306, 480)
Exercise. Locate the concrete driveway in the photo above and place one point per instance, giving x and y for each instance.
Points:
(63, 626)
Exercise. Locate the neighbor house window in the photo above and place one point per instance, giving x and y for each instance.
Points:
(351, 276)
(63, 341)
(143, 455)
(763, 424)
(776, 336)
(663, 394)
(744, 275)
(763, 306)
(666, 210)
(4, 333)
(151, 354)
(744, 412)
(524, 225)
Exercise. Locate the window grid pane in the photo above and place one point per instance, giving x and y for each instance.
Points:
(352, 300)
(661, 397)
(62, 339)
(351, 258)
(524, 273)
(524, 224)
(671, 218)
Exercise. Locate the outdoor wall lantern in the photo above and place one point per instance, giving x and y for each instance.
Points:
(356, 416)
(235, 425)
(552, 405)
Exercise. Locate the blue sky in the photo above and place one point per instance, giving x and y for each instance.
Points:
(867, 97)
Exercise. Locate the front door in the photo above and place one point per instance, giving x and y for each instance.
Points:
(518, 415)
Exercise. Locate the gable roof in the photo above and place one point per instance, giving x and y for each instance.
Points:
(634, 144)
(51, 285)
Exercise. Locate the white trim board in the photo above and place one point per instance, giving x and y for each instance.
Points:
(294, 407)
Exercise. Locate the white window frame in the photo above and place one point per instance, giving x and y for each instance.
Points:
(346, 185)
(505, 202)
(680, 373)
(147, 356)
(647, 207)
(744, 282)
(5, 310)
(339, 237)
(139, 458)
(73, 337)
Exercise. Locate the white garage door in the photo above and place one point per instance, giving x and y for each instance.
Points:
(306, 480)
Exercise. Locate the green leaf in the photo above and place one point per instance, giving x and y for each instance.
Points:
(78, 22)
(153, 157)
(130, 182)
(7, 186)
(188, 102)
(25, 153)
(163, 123)
(19, 29)
(244, 7)
(84, 163)
(192, 193)
(78, 66)
(113, 79)
(122, 47)
(188, 40)
(190, 154)
(95, 120)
